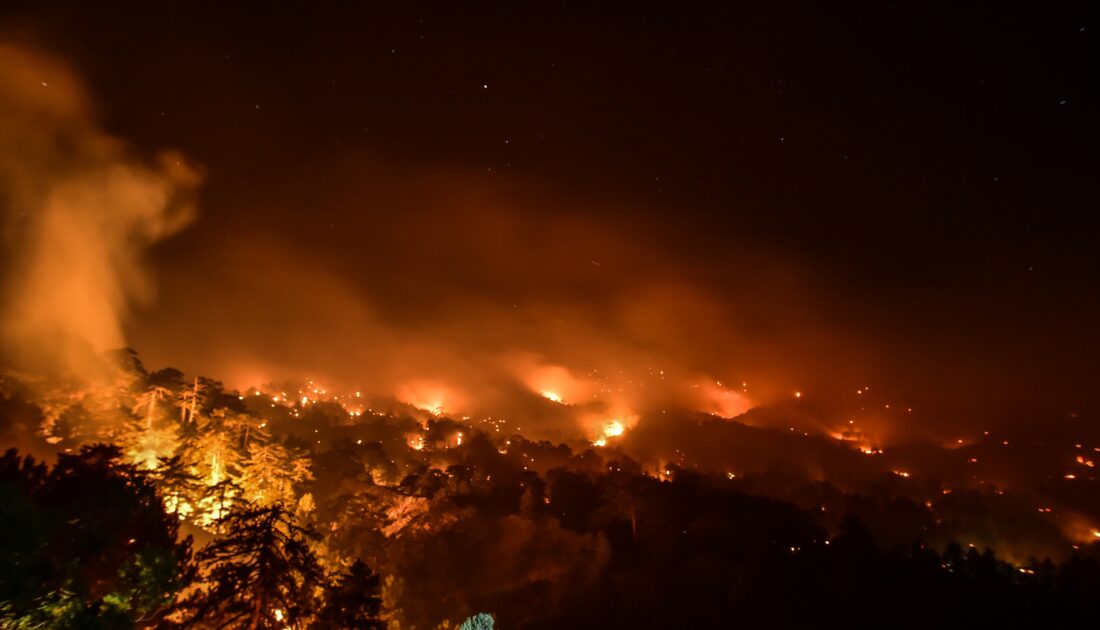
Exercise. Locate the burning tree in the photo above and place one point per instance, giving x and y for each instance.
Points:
(214, 452)
(271, 472)
(188, 403)
(146, 446)
(147, 403)
(179, 487)
(247, 428)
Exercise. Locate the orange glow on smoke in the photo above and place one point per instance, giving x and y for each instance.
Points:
(553, 382)
(430, 396)
(726, 402)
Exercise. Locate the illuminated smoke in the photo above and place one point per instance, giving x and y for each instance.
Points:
(80, 212)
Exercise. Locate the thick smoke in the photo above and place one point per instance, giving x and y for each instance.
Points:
(451, 290)
(80, 212)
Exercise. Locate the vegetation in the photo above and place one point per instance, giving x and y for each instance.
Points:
(86, 543)
(296, 504)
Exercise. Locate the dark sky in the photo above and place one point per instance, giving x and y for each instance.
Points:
(792, 194)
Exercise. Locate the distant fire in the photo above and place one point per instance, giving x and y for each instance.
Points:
(430, 396)
(555, 383)
(720, 400)
(611, 429)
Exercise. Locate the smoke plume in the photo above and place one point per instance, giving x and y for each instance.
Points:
(80, 212)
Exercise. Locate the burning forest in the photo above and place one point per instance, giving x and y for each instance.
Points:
(409, 317)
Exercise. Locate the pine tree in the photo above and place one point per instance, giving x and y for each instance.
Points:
(271, 472)
(247, 428)
(214, 453)
(147, 403)
(262, 574)
(178, 486)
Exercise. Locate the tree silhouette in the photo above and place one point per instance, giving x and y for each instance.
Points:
(147, 403)
(179, 487)
(353, 600)
(188, 403)
(261, 574)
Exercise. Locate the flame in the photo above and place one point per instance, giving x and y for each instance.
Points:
(552, 396)
(615, 427)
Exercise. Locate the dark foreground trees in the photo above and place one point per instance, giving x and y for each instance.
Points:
(262, 574)
(353, 600)
(86, 544)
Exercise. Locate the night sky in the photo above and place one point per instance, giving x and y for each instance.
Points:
(791, 195)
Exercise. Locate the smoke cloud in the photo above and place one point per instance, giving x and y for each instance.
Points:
(80, 212)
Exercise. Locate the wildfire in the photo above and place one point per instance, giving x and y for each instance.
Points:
(723, 401)
(610, 429)
(432, 397)
(552, 396)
